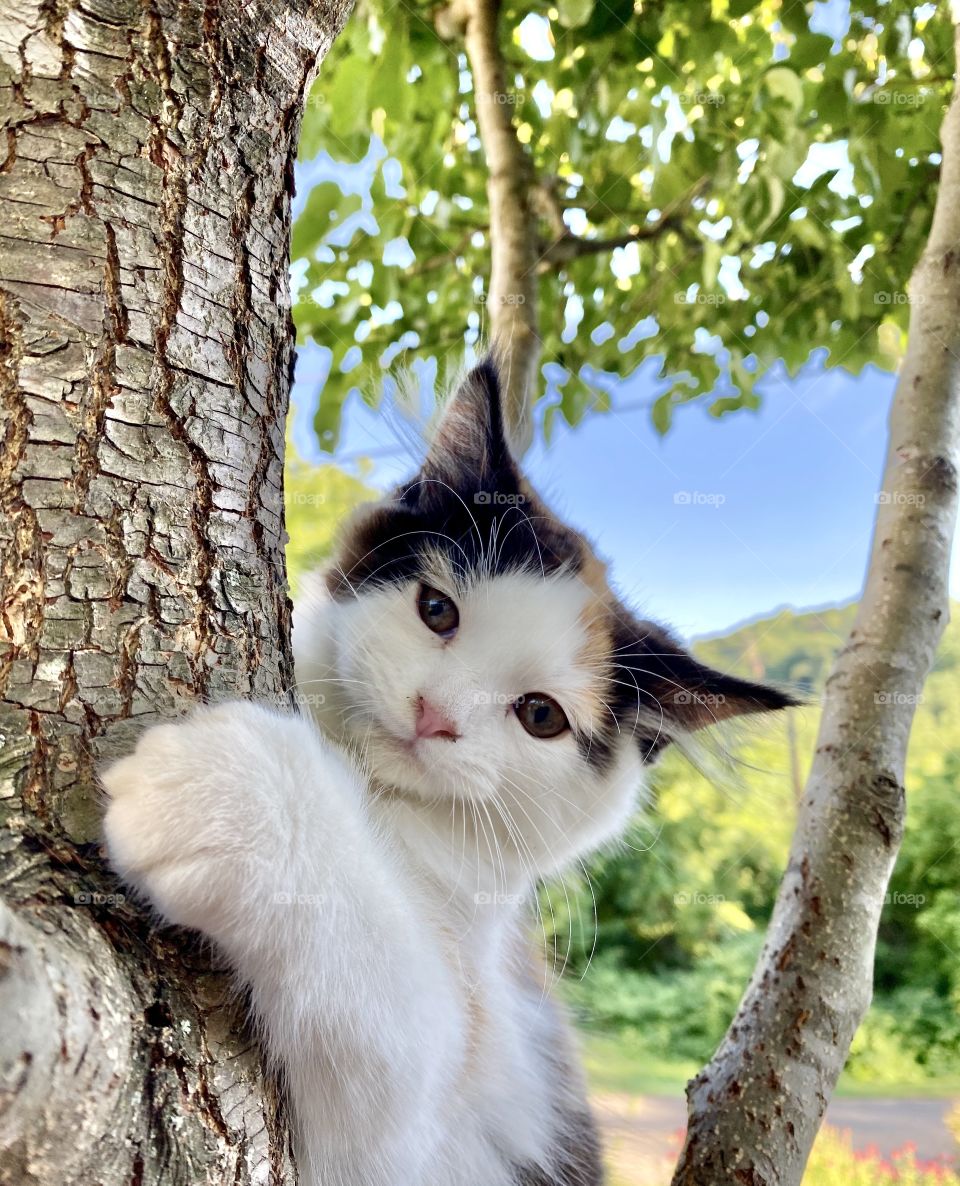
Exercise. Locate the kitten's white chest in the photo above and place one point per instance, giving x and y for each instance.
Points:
(502, 1098)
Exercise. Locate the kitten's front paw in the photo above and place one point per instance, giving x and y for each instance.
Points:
(174, 826)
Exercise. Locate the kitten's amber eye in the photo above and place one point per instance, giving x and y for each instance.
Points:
(540, 715)
(437, 611)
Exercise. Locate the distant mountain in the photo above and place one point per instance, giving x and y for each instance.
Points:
(797, 648)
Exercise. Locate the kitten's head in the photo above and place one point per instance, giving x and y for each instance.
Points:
(480, 652)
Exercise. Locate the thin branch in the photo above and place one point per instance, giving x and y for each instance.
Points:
(570, 246)
(512, 301)
(756, 1108)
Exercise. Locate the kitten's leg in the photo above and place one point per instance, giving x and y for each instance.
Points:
(245, 825)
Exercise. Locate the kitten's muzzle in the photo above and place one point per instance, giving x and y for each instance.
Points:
(433, 722)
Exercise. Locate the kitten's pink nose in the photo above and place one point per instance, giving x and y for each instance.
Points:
(432, 723)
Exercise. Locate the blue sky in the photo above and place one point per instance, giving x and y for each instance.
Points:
(719, 521)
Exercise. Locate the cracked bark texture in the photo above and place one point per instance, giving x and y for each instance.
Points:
(756, 1108)
(145, 357)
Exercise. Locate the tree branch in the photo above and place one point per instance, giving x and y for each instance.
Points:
(512, 298)
(756, 1108)
(570, 246)
(567, 246)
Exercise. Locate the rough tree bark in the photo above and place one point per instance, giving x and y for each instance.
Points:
(145, 358)
(756, 1108)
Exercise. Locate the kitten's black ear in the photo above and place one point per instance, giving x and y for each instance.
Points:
(690, 694)
(470, 445)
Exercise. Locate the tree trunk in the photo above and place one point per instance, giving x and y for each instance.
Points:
(145, 360)
(756, 1108)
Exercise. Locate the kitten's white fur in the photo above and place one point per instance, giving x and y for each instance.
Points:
(376, 892)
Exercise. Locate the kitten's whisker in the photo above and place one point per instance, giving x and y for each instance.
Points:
(547, 849)
(596, 924)
(535, 877)
(528, 865)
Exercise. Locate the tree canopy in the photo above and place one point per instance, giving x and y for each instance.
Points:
(714, 186)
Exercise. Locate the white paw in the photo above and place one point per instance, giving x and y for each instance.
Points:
(177, 826)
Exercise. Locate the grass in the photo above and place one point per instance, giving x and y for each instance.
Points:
(617, 1064)
(620, 1064)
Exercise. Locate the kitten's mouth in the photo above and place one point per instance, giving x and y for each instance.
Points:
(418, 753)
(405, 745)
(412, 752)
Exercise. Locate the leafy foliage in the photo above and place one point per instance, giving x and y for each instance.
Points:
(773, 188)
(317, 500)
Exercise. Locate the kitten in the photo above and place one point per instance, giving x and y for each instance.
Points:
(484, 711)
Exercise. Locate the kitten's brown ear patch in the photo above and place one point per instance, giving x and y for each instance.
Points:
(689, 694)
(470, 441)
(376, 543)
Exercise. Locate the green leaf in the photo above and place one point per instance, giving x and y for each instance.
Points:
(670, 183)
(326, 421)
(610, 18)
(575, 401)
(389, 88)
(614, 198)
(783, 83)
(810, 49)
(347, 100)
(327, 206)
(574, 13)
(662, 413)
(712, 254)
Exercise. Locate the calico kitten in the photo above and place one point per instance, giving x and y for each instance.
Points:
(484, 710)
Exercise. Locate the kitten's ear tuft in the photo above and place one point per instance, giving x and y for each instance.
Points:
(690, 694)
(470, 445)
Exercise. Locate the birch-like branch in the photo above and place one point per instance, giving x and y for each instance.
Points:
(568, 247)
(756, 1108)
